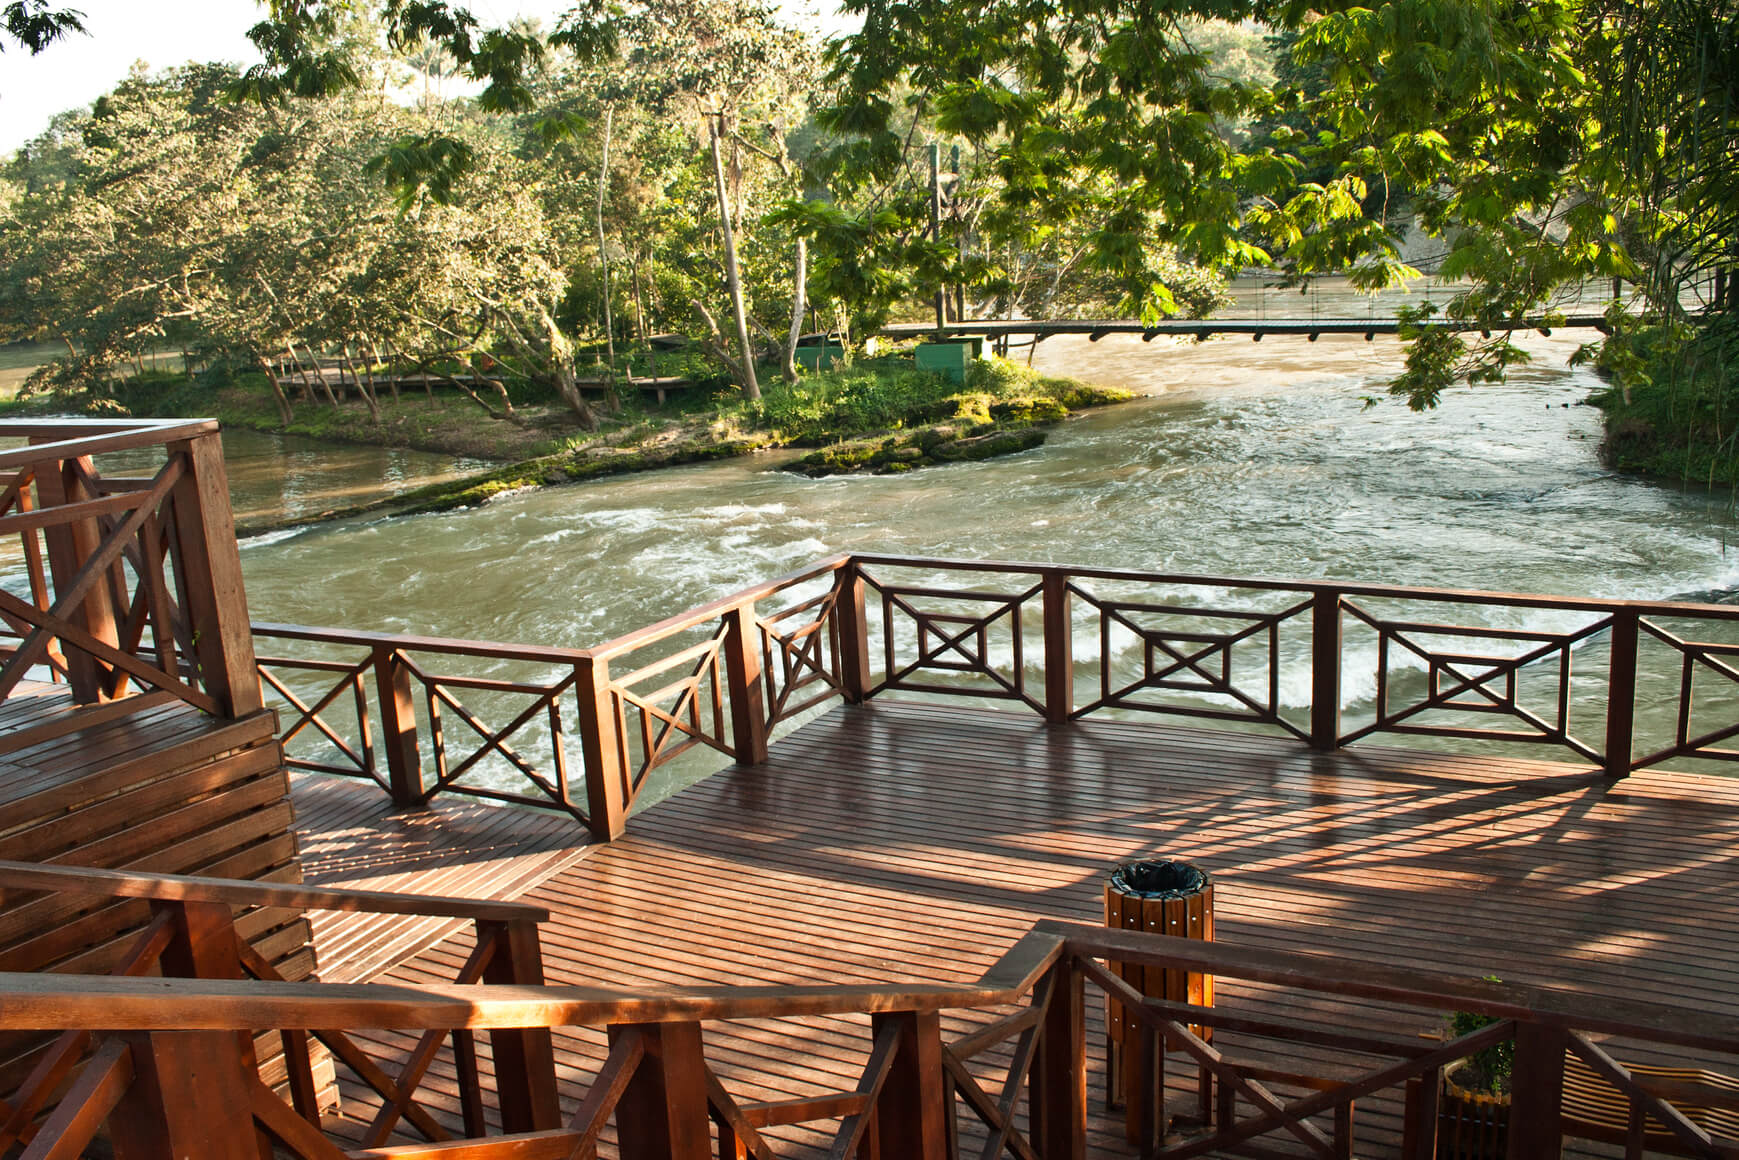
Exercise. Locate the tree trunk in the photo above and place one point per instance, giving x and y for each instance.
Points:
(283, 400)
(799, 298)
(325, 387)
(368, 399)
(603, 254)
(561, 364)
(500, 387)
(733, 281)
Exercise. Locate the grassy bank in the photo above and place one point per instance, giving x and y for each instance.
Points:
(1672, 411)
(876, 415)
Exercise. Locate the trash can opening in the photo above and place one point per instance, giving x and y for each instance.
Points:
(1158, 879)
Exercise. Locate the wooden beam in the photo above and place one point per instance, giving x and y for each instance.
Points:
(662, 1114)
(193, 888)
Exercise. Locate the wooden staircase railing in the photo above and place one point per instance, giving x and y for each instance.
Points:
(135, 583)
(163, 1047)
(192, 935)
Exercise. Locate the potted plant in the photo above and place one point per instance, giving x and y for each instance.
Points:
(1473, 1111)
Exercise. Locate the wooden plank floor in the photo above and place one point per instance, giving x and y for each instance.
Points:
(351, 836)
(903, 842)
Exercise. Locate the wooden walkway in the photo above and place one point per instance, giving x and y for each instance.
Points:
(350, 836)
(903, 842)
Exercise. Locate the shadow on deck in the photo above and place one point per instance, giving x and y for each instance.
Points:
(916, 843)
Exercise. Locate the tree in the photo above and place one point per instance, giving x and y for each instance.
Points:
(33, 25)
(1502, 125)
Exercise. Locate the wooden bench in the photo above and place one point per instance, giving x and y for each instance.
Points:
(1595, 1110)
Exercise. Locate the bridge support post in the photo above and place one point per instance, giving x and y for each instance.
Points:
(1059, 650)
(663, 1111)
(607, 797)
(189, 1097)
(909, 1113)
(1621, 690)
(1325, 645)
(853, 620)
(744, 676)
(525, 1065)
(1059, 1076)
(1537, 1093)
(398, 726)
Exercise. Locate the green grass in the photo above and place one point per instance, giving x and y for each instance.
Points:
(881, 395)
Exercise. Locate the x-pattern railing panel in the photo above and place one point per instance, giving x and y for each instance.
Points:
(958, 639)
(799, 651)
(1182, 657)
(670, 719)
(117, 611)
(453, 764)
(1458, 680)
(356, 750)
(1711, 659)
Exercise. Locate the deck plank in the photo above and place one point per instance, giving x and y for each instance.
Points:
(895, 843)
(351, 836)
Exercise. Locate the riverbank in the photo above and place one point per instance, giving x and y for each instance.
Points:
(848, 416)
(1672, 409)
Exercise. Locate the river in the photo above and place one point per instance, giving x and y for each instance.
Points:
(1240, 458)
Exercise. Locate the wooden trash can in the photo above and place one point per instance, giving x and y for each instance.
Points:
(1159, 897)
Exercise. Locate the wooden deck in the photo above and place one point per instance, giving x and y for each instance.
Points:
(904, 842)
(352, 837)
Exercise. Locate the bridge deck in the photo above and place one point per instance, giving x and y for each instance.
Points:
(1097, 328)
(915, 843)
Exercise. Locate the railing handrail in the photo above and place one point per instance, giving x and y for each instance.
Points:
(94, 436)
(1359, 978)
(194, 888)
(38, 1002)
(1341, 587)
(56, 1002)
(409, 642)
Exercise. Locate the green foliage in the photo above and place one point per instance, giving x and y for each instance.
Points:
(35, 26)
(1490, 1067)
(880, 395)
(1674, 409)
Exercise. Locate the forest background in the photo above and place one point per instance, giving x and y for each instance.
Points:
(702, 169)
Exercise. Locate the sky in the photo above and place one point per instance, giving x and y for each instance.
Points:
(165, 33)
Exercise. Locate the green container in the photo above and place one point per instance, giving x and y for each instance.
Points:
(820, 358)
(952, 357)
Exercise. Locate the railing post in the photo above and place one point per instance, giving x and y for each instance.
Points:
(1621, 690)
(1059, 1074)
(69, 546)
(206, 555)
(1325, 645)
(398, 726)
(853, 620)
(745, 680)
(1059, 649)
(606, 781)
(189, 1097)
(1537, 1093)
(525, 1066)
(909, 1114)
(663, 1111)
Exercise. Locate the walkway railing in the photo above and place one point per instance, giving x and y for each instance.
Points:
(133, 584)
(169, 1061)
(1329, 664)
(193, 934)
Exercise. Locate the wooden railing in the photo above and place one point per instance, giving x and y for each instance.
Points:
(424, 716)
(158, 1048)
(134, 584)
(1065, 643)
(192, 935)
